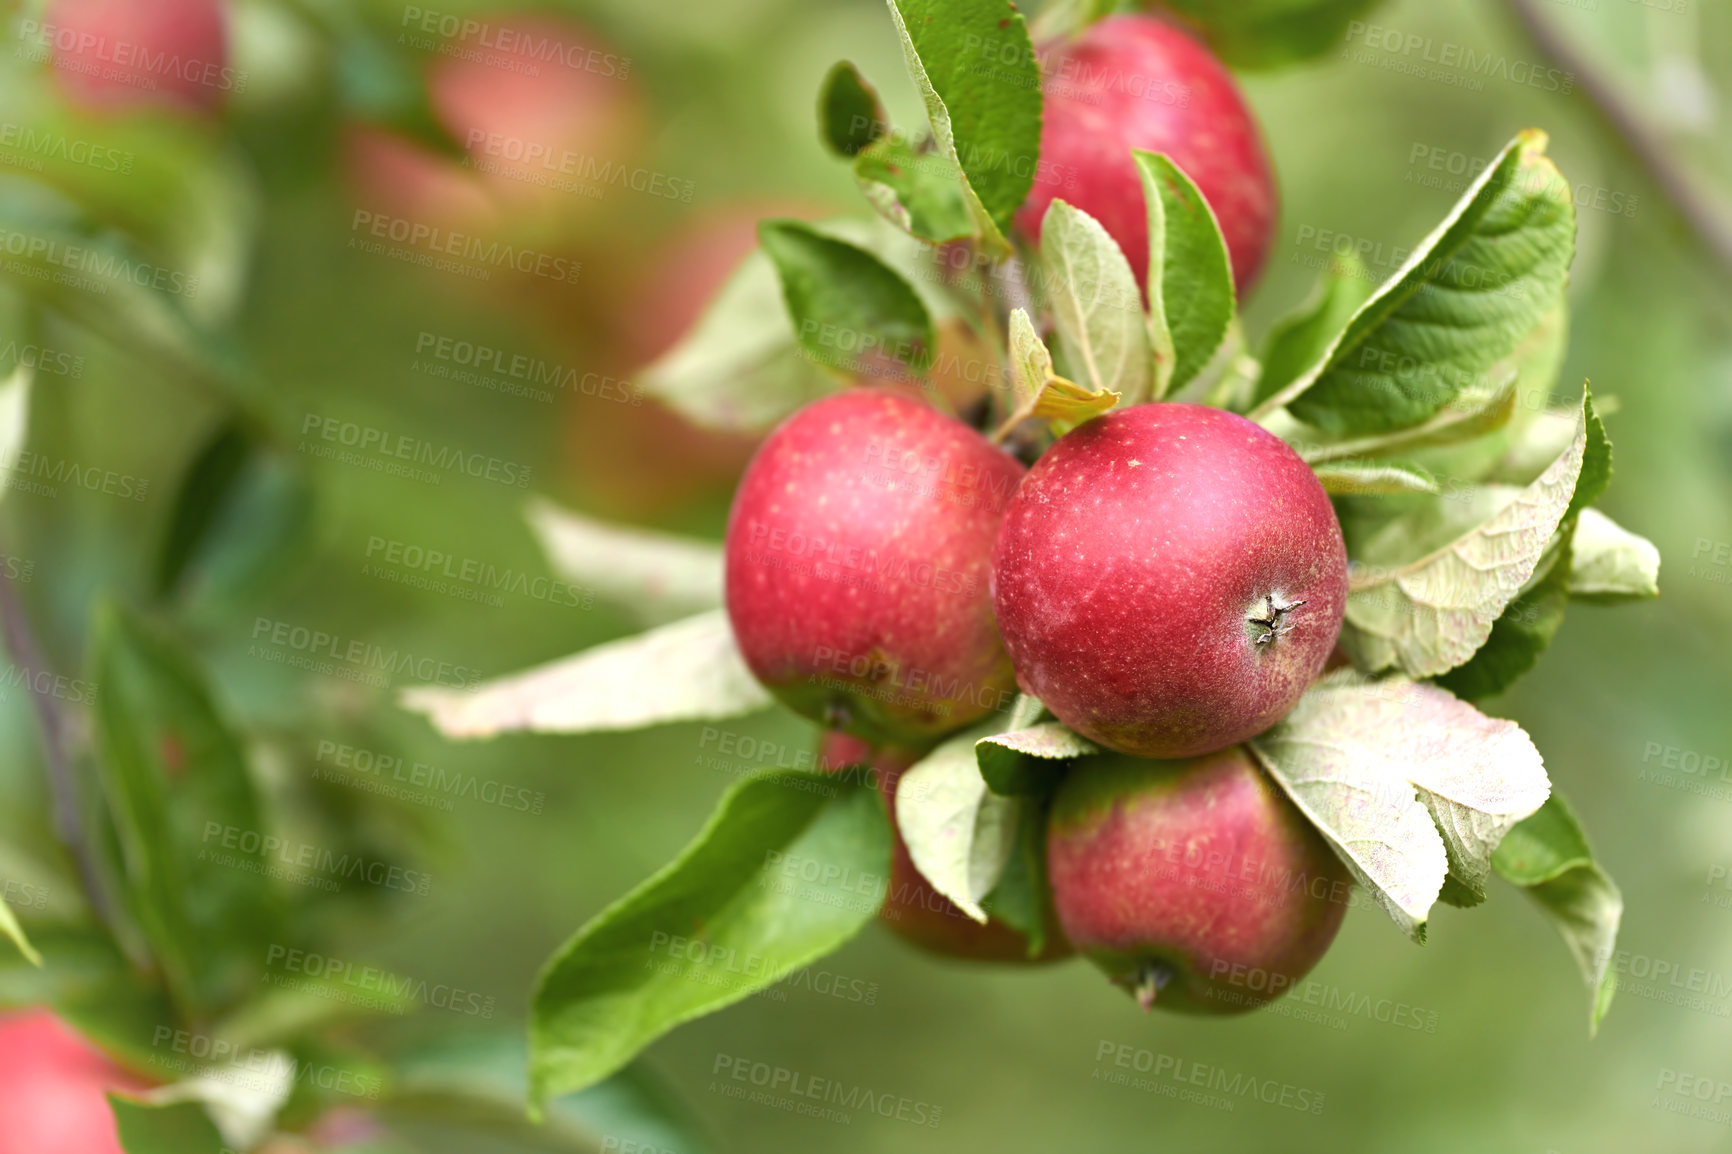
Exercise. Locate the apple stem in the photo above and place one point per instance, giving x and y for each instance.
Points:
(1151, 980)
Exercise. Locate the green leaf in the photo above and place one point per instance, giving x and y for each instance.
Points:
(86, 980)
(849, 115)
(917, 191)
(658, 576)
(1548, 856)
(1356, 478)
(1596, 471)
(1520, 634)
(690, 670)
(1300, 339)
(10, 928)
(1460, 304)
(1031, 759)
(238, 514)
(181, 1128)
(975, 69)
(741, 893)
(1608, 563)
(182, 804)
(1270, 33)
(1095, 305)
(851, 312)
(1472, 414)
(1408, 784)
(1191, 301)
(959, 834)
(1022, 899)
(1036, 392)
(1430, 613)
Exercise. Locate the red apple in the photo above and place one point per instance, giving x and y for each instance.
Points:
(53, 1087)
(912, 909)
(392, 176)
(1169, 579)
(1138, 82)
(856, 568)
(1196, 885)
(124, 53)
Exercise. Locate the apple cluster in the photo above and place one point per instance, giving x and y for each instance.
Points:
(1166, 579)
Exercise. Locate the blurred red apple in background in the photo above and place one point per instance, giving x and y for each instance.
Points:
(124, 53)
(53, 1087)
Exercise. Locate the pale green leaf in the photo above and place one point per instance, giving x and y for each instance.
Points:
(1547, 854)
(1428, 613)
(959, 834)
(689, 670)
(1610, 563)
(658, 575)
(1095, 304)
(1359, 478)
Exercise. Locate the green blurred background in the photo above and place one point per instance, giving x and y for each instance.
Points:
(724, 95)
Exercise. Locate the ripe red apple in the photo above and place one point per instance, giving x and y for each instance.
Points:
(856, 568)
(912, 909)
(1169, 578)
(123, 53)
(1139, 82)
(1196, 885)
(53, 1087)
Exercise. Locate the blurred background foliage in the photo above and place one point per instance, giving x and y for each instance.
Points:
(719, 99)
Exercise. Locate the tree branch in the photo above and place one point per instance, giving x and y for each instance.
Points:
(1694, 202)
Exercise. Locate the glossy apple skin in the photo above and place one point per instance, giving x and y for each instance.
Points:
(1203, 868)
(1138, 82)
(857, 564)
(1131, 561)
(106, 52)
(912, 909)
(53, 1087)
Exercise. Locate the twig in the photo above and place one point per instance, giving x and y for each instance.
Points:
(62, 785)
(1698, 206)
